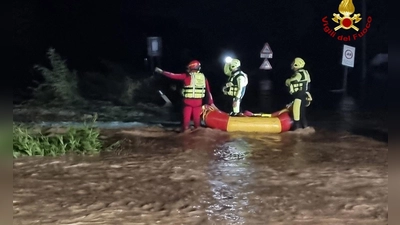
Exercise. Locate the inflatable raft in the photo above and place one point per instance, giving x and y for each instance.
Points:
(276, 122)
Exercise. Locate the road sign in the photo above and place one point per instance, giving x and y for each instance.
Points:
(154, 46)
(266, 53)
(348, 55)
(266, 65)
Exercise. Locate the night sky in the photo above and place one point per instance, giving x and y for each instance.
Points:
(84, 32)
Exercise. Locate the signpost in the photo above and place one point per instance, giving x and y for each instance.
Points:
(154, 49)
(348, 56)
(266, 53)
(265, 83)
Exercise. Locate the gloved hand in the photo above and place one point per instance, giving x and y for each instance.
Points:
(230, 84)
(287, 82)
(308, 99)
(158, 70)
(225, 90)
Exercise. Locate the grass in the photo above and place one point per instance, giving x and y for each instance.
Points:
(28, 141)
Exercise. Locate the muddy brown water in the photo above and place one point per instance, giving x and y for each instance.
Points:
(210, 177)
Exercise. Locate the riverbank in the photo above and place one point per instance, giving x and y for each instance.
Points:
(104, 111)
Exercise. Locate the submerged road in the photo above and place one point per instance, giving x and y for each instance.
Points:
(335, 175)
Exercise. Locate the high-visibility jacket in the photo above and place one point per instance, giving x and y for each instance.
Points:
(233, 80)
(197, 86)
(299, 82)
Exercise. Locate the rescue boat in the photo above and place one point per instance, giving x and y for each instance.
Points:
(276, 122)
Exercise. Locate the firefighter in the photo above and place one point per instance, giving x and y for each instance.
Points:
(236, 85)
(195, 89)
(299, 85)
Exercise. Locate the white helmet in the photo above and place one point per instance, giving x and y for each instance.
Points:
(231, 66)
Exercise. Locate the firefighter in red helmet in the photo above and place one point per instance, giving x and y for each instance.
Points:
(195, 89)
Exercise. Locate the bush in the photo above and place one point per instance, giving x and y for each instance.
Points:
(28, 142)
(60, 85)
(63, 87)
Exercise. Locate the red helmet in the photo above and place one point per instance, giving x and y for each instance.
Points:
(194, 65)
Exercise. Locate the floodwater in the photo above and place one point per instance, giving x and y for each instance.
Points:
(335, 174)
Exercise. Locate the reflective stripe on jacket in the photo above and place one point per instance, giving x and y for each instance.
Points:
(299, 81)
(234, 88)
(197, 86)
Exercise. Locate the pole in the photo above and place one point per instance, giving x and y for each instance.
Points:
(158, 61)
(346, 70)
(364, 53)
(166, 99)
(152, 64)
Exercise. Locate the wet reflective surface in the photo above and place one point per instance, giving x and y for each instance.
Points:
(335, 175)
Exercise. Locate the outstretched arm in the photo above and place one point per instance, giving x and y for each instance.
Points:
(175, 76)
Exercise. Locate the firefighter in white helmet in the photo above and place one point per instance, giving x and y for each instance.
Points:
(299, 87)
(236, 85)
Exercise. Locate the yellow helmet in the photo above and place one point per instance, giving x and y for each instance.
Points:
(298, 63)
(231, 66)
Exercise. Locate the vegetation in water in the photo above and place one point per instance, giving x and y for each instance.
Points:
(31, 141)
